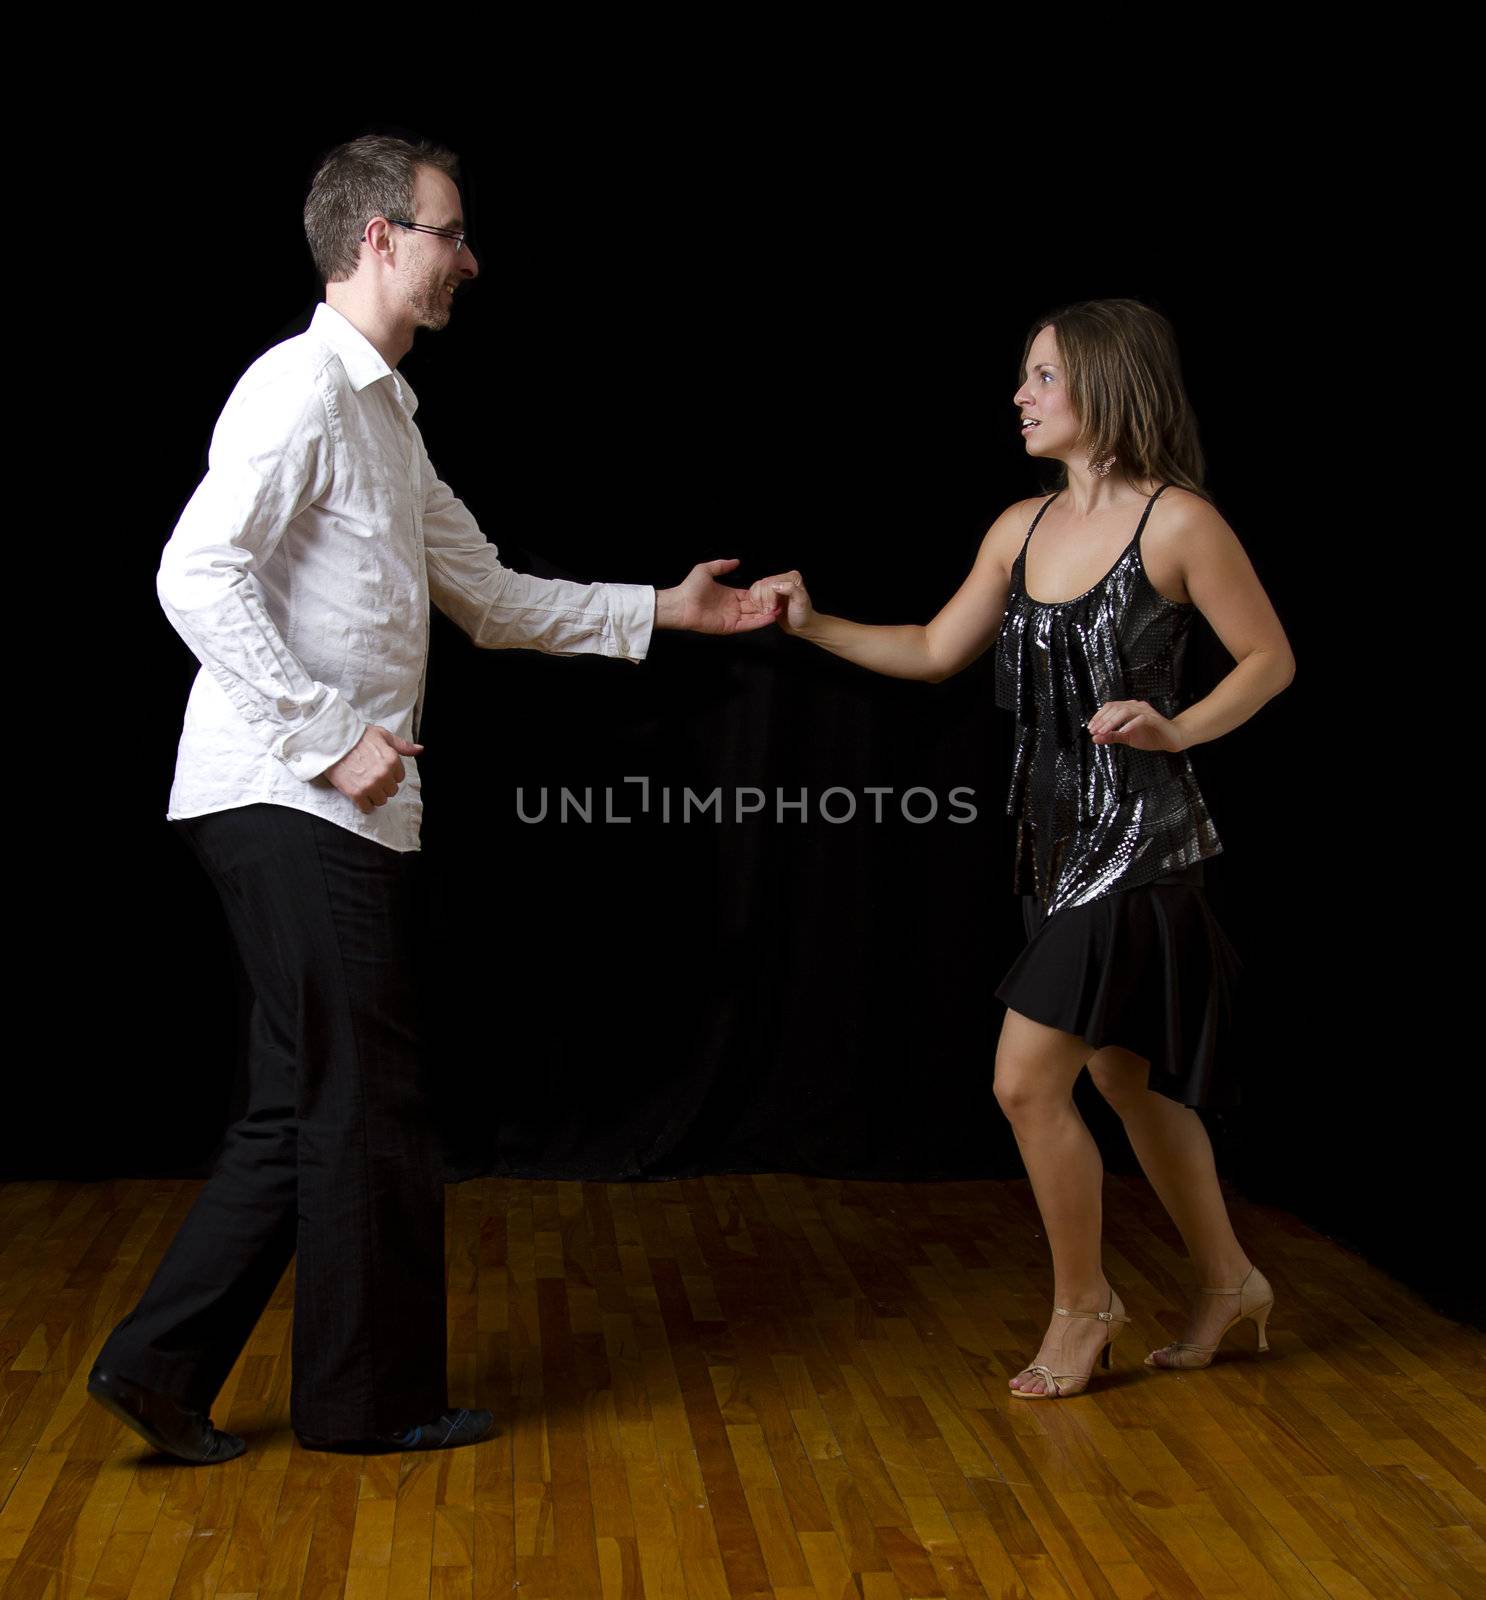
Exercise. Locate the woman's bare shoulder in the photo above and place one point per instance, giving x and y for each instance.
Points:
(1180, 507)
(1004, 537)
(1186, 533)
(1025, 509)
(1182, 518)
(1017, 517)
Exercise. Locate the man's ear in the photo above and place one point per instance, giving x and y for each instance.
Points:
(379, 235)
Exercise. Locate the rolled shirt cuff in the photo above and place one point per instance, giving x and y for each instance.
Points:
(632, 615)
(321, 741)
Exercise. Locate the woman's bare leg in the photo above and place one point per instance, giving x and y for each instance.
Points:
(1176, 1154)
(1036, 1067)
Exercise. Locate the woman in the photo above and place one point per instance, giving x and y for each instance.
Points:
(1125, 971)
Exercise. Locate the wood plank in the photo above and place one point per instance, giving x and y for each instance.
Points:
(763, 1386)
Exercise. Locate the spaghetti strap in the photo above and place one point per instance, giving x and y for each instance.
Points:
(1038, 518)
(1146, 513)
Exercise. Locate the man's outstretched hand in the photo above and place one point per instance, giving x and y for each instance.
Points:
(702, 605)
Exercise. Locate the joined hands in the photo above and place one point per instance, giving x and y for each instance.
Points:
(787, 600)
(702, 605)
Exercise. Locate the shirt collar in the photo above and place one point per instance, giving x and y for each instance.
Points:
(358, 355)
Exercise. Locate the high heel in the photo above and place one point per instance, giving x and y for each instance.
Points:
(1255, 1302)
(1063, 1385)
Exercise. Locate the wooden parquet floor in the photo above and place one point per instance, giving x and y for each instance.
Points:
(763, 1386)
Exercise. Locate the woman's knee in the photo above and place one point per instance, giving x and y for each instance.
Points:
(1035, 1069)
(1121, 1076)
(1019, 1090)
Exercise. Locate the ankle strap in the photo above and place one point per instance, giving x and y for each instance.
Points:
(1098, 1316)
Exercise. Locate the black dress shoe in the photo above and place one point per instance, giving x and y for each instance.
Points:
(166, 1424)
(448, 1432)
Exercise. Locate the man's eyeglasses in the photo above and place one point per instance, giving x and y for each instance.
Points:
(424, 227)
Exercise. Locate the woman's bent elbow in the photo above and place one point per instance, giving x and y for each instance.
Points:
(936, 669)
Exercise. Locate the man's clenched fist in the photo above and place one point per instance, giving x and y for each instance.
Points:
(372, 768)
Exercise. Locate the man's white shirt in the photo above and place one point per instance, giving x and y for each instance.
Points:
(301, 574)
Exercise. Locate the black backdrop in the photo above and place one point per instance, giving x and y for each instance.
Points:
(798, 352)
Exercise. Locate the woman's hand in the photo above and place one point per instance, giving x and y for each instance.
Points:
(1136, 723)
(700, 604)
(787, 591)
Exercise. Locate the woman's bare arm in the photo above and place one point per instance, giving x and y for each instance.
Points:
(957, 635)
(1193, 542)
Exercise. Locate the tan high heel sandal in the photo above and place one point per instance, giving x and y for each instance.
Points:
(1255, 1302)
(1056, 1381)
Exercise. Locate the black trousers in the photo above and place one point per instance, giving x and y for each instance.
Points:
(334, 1161)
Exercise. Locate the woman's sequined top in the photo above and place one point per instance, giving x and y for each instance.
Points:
(1093, 819)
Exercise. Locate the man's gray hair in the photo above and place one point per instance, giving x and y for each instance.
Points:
(370, 177)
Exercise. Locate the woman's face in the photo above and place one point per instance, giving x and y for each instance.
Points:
(1050, 426)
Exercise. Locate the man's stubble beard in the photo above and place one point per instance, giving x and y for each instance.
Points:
(427, 296)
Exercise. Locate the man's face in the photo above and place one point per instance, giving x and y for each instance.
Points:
(429, 267)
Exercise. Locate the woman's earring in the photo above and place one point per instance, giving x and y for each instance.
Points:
(1100, 469)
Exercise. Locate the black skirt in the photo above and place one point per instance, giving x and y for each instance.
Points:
(1147, 969)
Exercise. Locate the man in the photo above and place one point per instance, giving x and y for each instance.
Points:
(300, 574)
